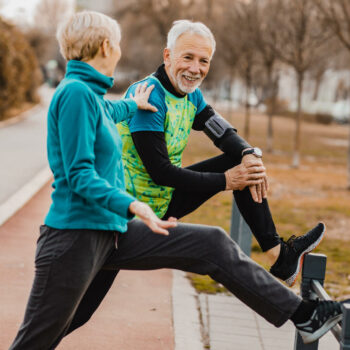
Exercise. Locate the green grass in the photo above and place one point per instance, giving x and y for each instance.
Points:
(204, 284)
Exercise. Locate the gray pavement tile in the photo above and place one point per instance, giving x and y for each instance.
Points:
(232, 323)
(266, 325)
(217, 298)
(279, 347)
(237, 344)
(228, 304)
(229, 314)
(214, 336)
(250, 331)
(268, 341)
(185, 343)
(187, 326)
(276, 334)
(328, 342)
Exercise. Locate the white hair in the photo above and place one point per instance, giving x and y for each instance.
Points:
(81, 35)
(185, 26)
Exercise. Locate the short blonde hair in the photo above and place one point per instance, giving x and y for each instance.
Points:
(82, 34)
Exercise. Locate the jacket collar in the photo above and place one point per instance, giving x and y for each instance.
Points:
(97, 81)
(162, 76)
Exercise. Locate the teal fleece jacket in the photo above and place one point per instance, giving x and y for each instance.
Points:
(84, 152)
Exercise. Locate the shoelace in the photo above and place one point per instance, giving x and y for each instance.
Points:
(294, 239)
(327, 308)
(289, 244)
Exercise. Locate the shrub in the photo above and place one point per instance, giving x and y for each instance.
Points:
(19, 71)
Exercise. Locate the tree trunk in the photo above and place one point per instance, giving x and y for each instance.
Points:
(231, 80)
(318, 82)
(272, 96)
(247, 105)
(269, 140)
(349, 161)
(297, 136)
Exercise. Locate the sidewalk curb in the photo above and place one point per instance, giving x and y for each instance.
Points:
(24, 194)
(186, 320)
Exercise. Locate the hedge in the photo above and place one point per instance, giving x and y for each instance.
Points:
(20, 75)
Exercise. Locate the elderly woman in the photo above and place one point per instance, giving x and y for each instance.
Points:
(87, 234)
(90, 207)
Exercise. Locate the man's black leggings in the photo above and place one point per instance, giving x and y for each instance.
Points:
(257, 215)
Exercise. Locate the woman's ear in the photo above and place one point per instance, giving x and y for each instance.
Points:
(105, 49)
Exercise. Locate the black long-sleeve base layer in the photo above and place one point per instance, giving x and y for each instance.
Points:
(197, 183)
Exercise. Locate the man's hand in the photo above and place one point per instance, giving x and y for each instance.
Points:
(142, 93)
(258, 191)
(250, 174)
(146, 214)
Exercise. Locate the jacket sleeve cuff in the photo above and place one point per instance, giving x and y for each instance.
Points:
(120, 205)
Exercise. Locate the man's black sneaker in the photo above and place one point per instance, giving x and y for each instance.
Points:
(288, 264)
(326, 315)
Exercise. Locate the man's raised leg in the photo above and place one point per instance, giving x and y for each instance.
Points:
(285, 257)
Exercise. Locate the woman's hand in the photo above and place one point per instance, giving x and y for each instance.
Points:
(146, 214)
(142, 93)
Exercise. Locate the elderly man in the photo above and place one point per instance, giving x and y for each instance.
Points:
(153, 143)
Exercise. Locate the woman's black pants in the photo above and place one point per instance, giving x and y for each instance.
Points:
(72, 267)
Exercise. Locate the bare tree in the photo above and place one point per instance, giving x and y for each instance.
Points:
(264, 37)
(49, 13)
(237, 50)
(152, 18)
(41, 35)
(300, 37)
(336, 15)
(228, 53)
(245, 20)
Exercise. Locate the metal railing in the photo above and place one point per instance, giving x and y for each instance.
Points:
(240, 231)
(313, 275)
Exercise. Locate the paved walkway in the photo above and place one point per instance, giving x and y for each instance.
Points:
(143, 310)
(231, 325)
(23, 147)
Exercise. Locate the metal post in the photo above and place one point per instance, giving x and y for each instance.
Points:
(345, 336)
(314, 268)
(240, 231)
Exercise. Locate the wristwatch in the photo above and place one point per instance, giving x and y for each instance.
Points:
(256, 151)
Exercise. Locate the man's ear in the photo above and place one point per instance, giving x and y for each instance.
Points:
(166, 57)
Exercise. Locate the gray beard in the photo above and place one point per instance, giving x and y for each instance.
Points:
(184, 89)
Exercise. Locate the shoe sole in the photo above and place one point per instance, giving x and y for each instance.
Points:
(311, 337)
(292, 279)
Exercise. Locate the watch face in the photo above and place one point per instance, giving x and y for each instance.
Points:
(258, 152)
